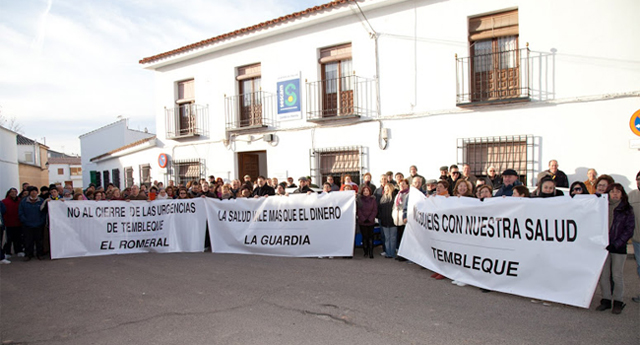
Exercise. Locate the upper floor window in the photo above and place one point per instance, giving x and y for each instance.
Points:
(250, 100)
(495, 60)
(337, 80)
(185, 118)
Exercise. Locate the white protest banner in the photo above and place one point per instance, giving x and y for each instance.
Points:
(296, 225)
(89, 228)
(551, 249)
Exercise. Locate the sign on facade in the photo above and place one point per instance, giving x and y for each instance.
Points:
(289, 97)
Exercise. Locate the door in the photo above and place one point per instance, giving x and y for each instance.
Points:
(250, 102)
(249, 164)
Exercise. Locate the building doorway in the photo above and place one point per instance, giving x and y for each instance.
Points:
(253, 163)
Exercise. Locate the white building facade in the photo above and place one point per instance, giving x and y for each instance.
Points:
(382, 85)
(105, 142)
(9, 170)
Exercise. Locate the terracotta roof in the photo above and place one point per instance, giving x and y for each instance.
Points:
(65, 160)
(239, 32)
(133, 144)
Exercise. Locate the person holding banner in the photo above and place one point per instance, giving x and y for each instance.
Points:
(366, 213)
(463, 188)
(602, 183)
(400, 211)
(621, 225)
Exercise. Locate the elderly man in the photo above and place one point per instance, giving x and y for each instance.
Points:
(303, 183)
(509, 180)
(466, 171)
(413, 174)
(136, 194)
(557, 175)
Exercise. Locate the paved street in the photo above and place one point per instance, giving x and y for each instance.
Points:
(209, 298)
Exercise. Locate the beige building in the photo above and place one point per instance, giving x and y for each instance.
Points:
(32, 162)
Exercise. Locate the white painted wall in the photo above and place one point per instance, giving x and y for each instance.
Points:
(585, 71)
(9, 176)
(103, 140)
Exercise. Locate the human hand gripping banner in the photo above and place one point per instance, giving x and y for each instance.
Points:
(90, 228)
(551, 249)
(298, 225)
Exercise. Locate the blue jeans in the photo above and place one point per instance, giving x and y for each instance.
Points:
(390, 234)
(636, 253)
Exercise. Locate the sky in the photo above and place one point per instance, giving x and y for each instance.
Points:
(68, 67)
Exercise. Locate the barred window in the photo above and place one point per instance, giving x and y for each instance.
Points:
(128, 177)
(145, 173)
(508, 152)
(337, 162)
(115, 174)
(105, 178)
(188, 170)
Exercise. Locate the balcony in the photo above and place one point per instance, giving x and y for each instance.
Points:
(349, 97)
(250, 111)
(500, 77)
(186, 121)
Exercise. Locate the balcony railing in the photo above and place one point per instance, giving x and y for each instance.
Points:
(493, 78)
(250, 111)
(187, 120)
(340, 98)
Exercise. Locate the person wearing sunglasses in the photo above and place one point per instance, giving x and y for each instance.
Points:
(578, 188)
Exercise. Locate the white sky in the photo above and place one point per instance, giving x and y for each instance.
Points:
(68, 67)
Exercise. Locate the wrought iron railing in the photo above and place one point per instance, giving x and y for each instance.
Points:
(187, 120)
(349, 96)
(494, 77)
(250, 110)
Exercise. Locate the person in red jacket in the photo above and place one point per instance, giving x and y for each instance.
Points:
(12, 224)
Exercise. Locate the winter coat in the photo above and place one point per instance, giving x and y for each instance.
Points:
(11, 217)
(31, 214)
(507, 190)
(264, 190)
(385, 211)
(621, 228)
(367, 210)
(399, 208)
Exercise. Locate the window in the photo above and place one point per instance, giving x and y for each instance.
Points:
(188, 170)
(337, 162)
(115, 174)
(495, 58)
(28, 157)
(95, 178)
(509, 152)
(128, 177)
(105, 179)
(250, 100)
(145, 174)
(60, 171)
(75, 171)
(337, 81)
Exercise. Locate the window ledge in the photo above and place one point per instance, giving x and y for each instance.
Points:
(334, 118)
(493, 102)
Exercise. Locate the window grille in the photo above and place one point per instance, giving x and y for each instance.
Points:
(128, 177)
(188, 170)
(105, 178)
(145, 174)
(508, 152)
(337, 162)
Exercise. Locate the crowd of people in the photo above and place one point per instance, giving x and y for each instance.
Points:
(24, 213)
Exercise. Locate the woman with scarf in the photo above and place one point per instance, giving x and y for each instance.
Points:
(621, 224)
(367, 211)
(400, 211)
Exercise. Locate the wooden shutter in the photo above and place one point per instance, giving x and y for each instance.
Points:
(494, 25)
(249, 72)
(336, 53)
(186, 91)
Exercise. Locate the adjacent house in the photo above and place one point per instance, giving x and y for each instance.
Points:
(32, 162)
(109, 142)
(65, 170)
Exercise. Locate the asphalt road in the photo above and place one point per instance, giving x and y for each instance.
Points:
(206, 298)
